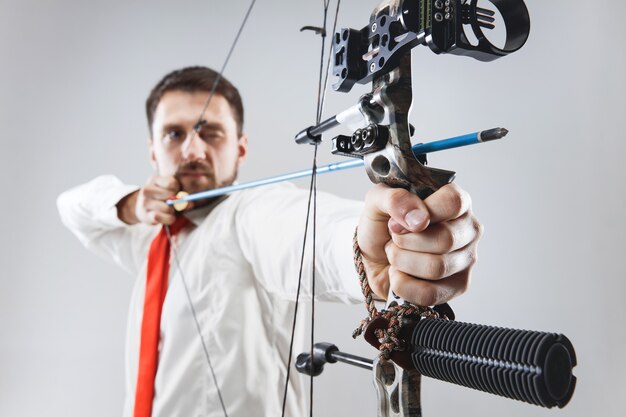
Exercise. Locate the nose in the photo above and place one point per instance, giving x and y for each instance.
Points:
(193, 148)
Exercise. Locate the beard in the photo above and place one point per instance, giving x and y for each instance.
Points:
(198, 176)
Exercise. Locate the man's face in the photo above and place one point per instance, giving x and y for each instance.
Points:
(200, 161)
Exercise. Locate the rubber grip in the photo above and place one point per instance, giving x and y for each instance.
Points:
(530, 366)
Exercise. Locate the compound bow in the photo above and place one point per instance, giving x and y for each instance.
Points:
(530, 366)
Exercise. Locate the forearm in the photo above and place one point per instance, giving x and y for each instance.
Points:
(270, 226)
(92, 207)
(90, 212)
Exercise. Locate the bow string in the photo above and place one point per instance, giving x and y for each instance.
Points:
(322, 85)
(196, 129)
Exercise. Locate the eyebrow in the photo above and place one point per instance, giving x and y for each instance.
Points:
(171, 126)
(204, 125)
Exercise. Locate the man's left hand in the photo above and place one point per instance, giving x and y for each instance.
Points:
(424, 250)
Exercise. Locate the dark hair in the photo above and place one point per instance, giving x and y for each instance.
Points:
(193, 79)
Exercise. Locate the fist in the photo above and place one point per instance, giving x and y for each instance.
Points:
(422, 250)
(147, 205)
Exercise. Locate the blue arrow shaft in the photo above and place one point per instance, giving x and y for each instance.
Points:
(419, 149)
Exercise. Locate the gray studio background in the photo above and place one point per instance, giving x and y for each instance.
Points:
(73, 80)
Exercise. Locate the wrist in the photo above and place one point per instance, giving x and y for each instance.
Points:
(126, 208)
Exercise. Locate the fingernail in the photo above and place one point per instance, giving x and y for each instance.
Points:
(415, 218)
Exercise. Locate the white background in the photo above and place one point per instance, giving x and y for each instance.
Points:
(73, 80)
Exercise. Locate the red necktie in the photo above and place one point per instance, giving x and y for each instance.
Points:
(156, 287)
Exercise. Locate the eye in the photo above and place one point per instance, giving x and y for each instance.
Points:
(210, 135)
(174, 135)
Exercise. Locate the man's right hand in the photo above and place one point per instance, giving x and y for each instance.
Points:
(147, 205)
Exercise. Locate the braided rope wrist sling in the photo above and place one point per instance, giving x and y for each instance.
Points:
(397, 315)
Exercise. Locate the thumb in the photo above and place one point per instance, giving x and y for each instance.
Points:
(385, 206)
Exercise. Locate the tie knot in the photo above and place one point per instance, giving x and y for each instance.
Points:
(178, 225)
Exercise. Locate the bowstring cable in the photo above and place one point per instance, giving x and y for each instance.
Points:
(221, 72)
(195, 318)
(320, 93)
(196, 129)
(330, 54)
(218, 78)
(312, 200)
(295, 314)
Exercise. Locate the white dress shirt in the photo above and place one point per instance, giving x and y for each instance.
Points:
(240, 259)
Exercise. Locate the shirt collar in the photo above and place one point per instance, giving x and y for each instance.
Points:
(196, 216)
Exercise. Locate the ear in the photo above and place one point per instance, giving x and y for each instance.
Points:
(243, 148)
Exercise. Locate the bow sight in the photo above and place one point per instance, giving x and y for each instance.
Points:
(534, 367)
(396, 26)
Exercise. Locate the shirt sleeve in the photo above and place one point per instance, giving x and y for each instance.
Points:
(270, 226)
(90, 212)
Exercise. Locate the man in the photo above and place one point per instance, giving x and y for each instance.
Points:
(224, 325)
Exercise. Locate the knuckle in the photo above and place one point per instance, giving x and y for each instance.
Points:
(152, 217)
(402, 199)
(461, 286)
(437, 267)
(446, 239)
(392, 252)
(455, 202)
(479, 228)
(458, 200)
(427, 296)
(397, 196)
(396, 239)
(467, 200)
(399, 240)
(472, 257)
(465, 284)
(394, 284)
(147, 193)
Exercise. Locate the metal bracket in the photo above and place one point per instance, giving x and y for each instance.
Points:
(398, 390)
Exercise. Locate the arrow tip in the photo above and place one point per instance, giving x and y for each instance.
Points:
(492, 134)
